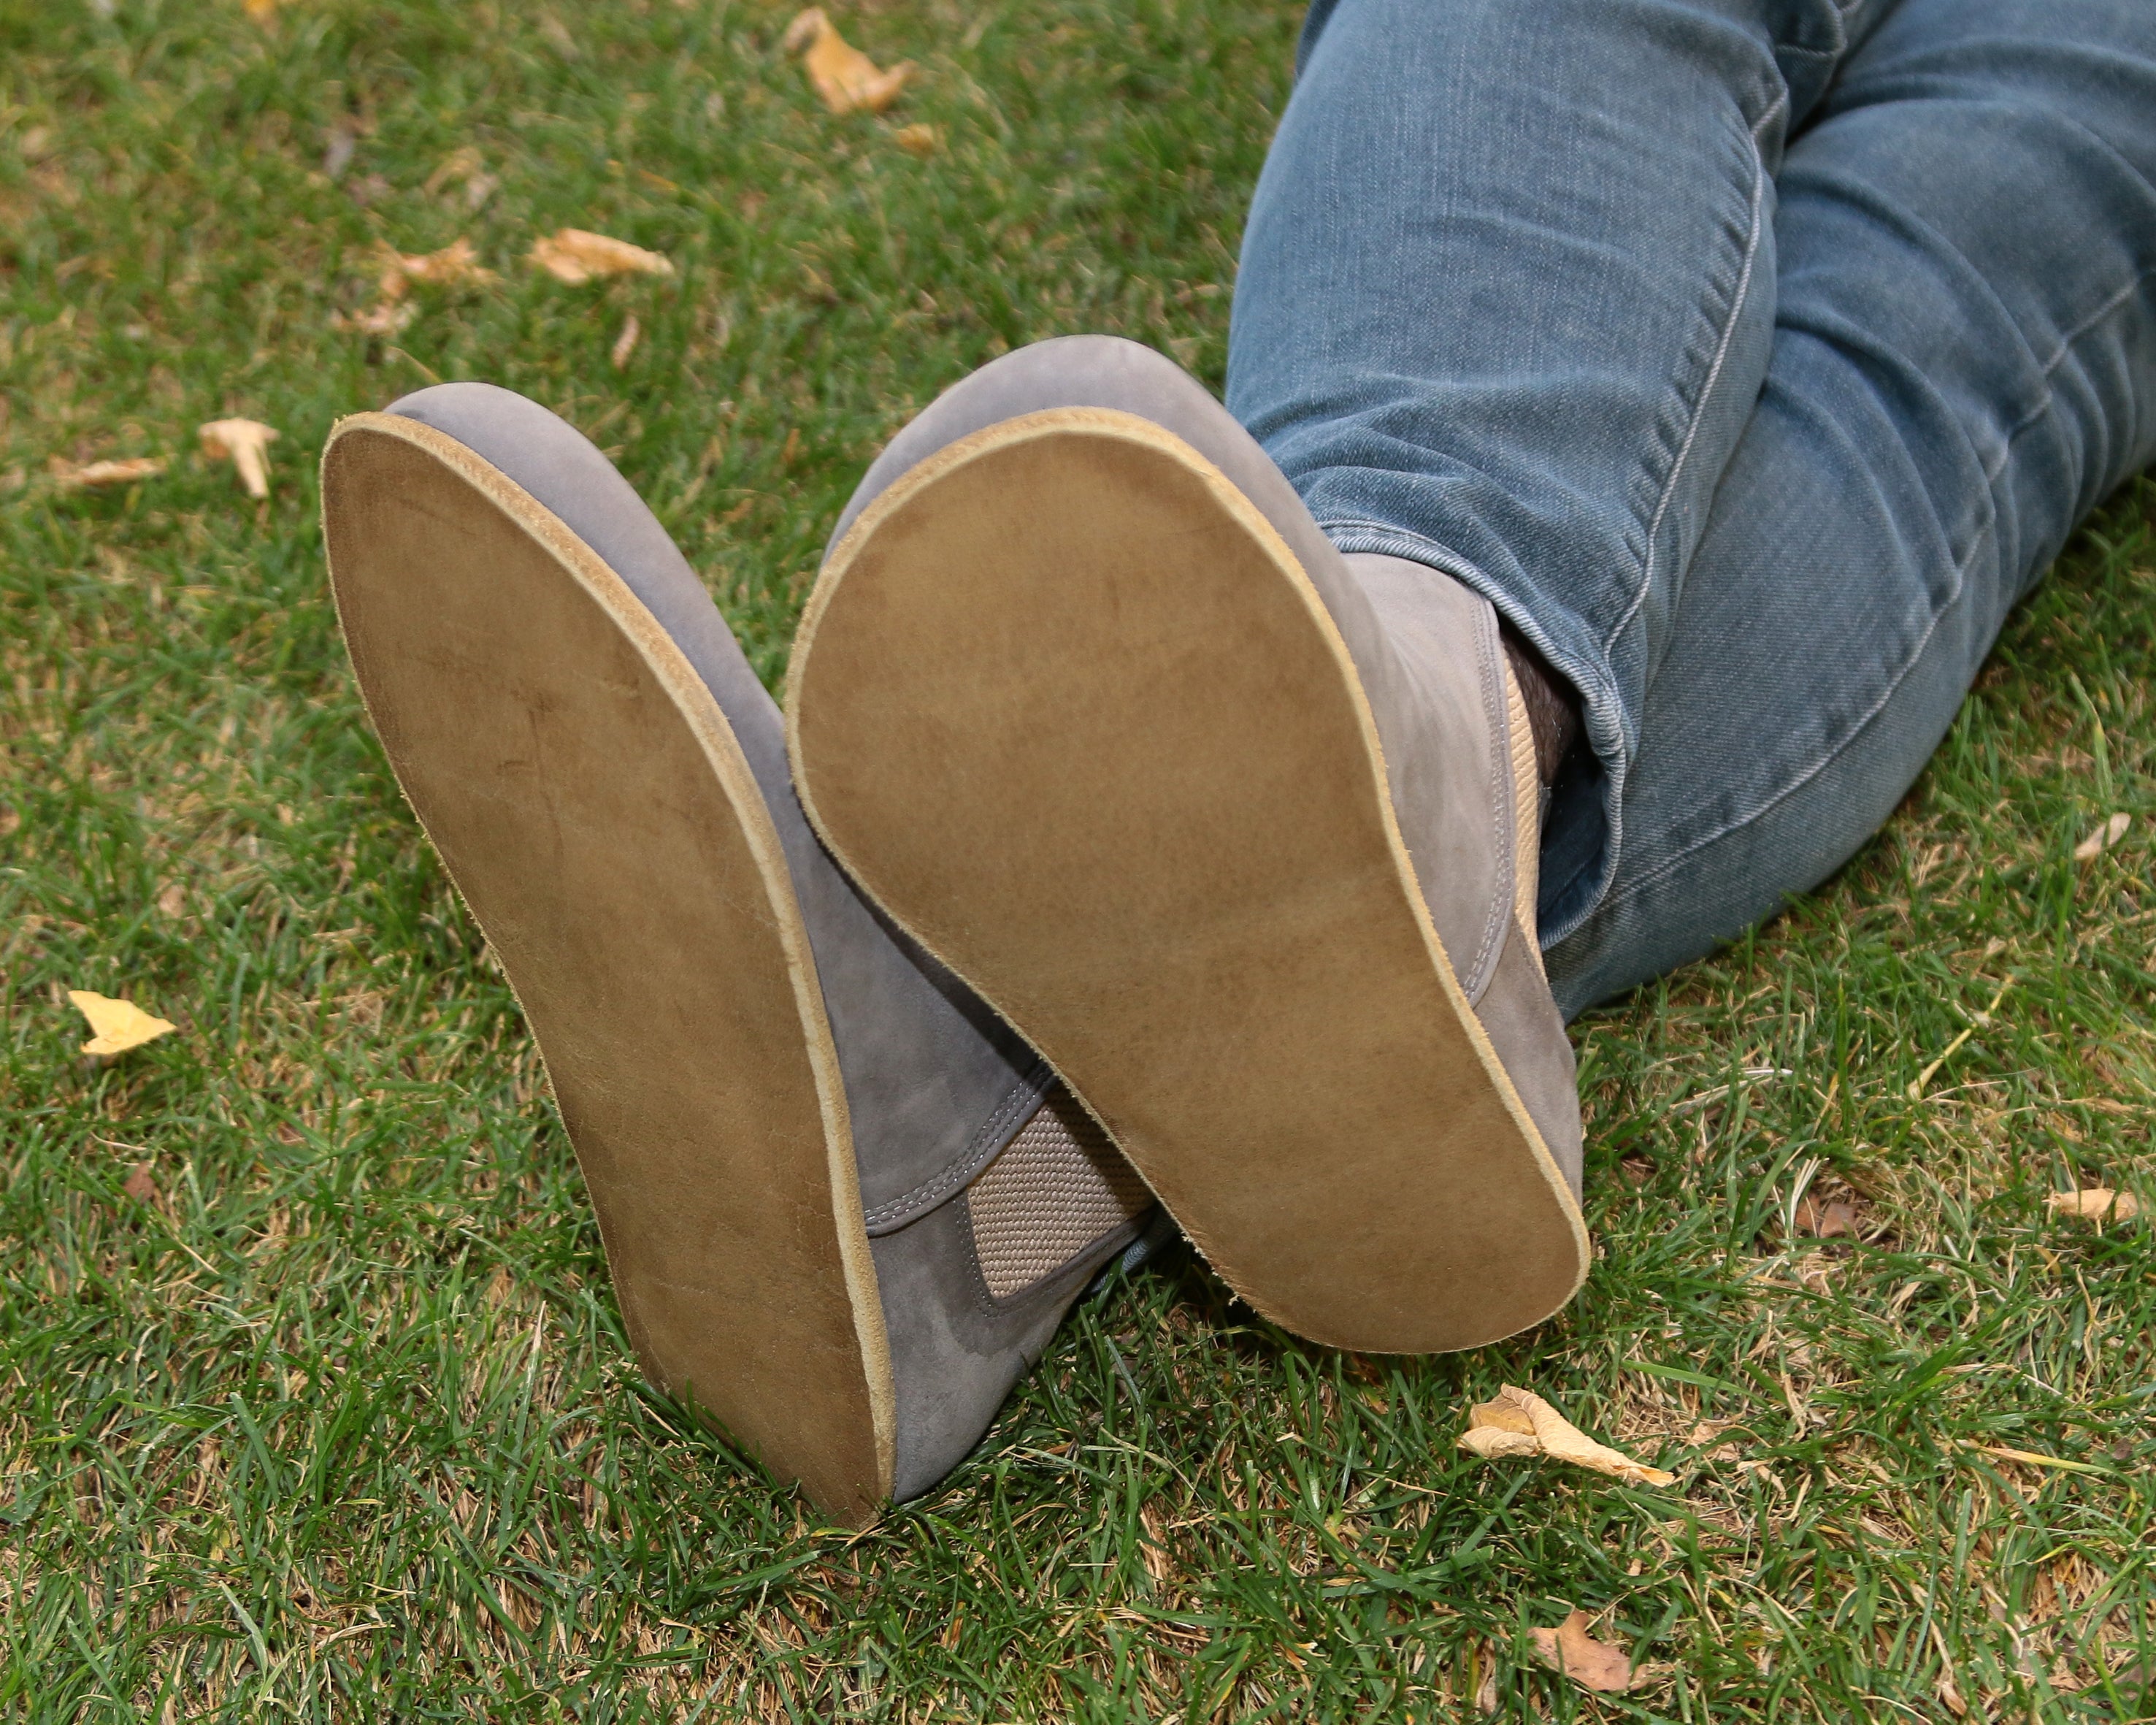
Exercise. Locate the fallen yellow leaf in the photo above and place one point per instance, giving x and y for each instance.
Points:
(455, 265)
(1495, 1428)
(575, 256)
(2104, 837)
(845, 78)
(117, 1025)
(1490, 1442)
(1521, 1423)
(72, 477)
(245, 443)
(2096, 1203)
(1591, 1664)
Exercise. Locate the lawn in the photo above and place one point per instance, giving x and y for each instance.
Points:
(317, 1402)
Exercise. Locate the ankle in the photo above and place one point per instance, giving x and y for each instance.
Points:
(1553, 705)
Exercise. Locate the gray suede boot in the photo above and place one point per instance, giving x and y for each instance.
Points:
(844, 1205)
(1239, 833)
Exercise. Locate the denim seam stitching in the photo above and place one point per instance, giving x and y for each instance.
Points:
(1448, 562)
(2051, 365)
(1416, 547)
(1670, 865)
(1706, 394)
(1772, 113)
(1961, 580)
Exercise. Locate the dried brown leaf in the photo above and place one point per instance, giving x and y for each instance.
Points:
(847, 80)
(2103, 837)
(2096, 1203)
(117, 1025)
(245, 443)
(140, 1187)
(456, 264)
(1490, 1442)
(576, 256)
(1591, 1664)
(1500, 1415)
(385, 317)
(624, 344)
(1521, 1423)
(71, 477)
(1824, 1218)
(920, 140)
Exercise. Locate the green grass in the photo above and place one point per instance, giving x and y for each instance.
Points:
(339, 1420)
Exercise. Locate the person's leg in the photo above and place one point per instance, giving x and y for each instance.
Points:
(1181, 750)
(1963, 365)
(1505, 302)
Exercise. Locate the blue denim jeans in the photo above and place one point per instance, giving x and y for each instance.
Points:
(1753, 357)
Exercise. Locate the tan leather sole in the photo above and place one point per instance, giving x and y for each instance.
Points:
(595, 811)
(1064, 703)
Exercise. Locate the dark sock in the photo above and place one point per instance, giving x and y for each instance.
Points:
(1553, 706)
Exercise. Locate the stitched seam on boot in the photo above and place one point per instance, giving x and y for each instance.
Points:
(1010, 1118)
